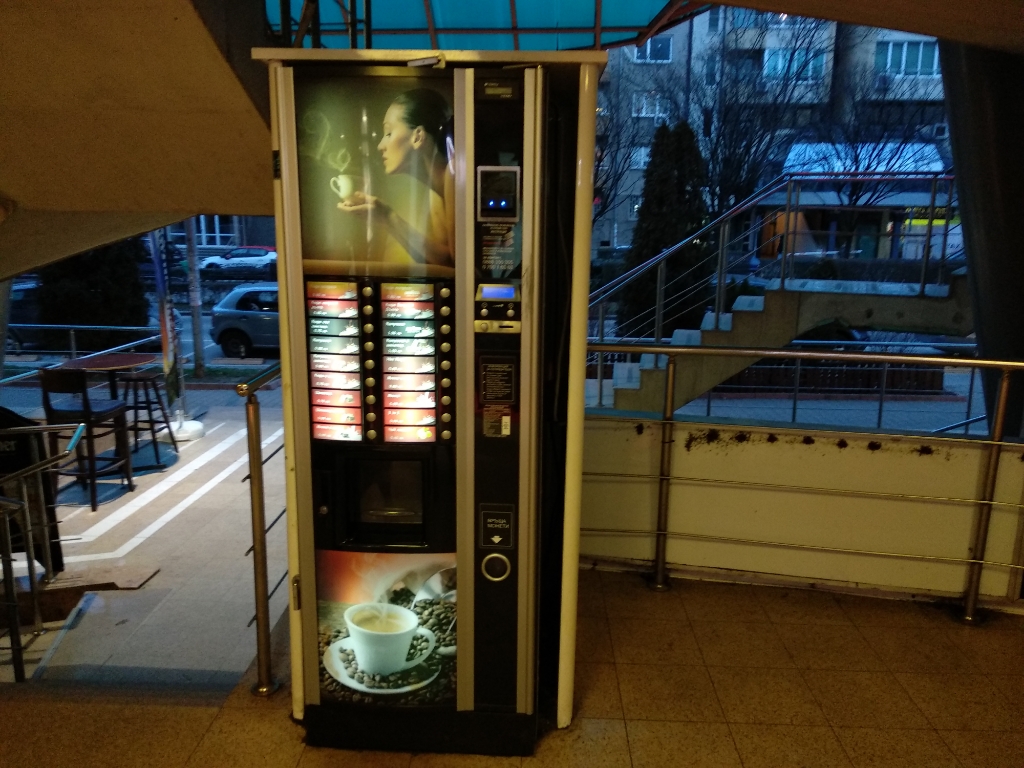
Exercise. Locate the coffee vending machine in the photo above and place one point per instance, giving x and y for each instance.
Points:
(433, 218)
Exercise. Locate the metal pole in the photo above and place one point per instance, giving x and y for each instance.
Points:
(708, 411)
(195, 300)
(980, 536)
(47, 555)
(353, 20)
(881, 393)
(367, 24)
(720, 288)
(785, 237)
(286, 23)
(314, 27)
(11, 598)
(660, 582)
(659, 306)
(945, 231)
(970, 400)
(796, 389)
(928, 235)
(265, 684)
(71, 341)
(27, 531)
(795, 215)
(600, 355)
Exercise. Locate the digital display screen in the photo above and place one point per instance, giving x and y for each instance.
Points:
(408, 364)
(407, 291)
(335, 397)
(333, 345)
(408, 382)
(409, 434)
(342, 363)
(394, 346)
(319, 326)
(337, 415)
(412, 417)
(498, 292)
(335, 291)
(409, 400)
(325, 308)
(409, 328)
(409, 310)
(337, 432)
(332, 380)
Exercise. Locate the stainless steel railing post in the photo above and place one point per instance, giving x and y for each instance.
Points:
(881, 392)
(785, 237)
(660, 580)
(600, 355)
(265, 684)
(926, 254)
(659, 307)
(722, 274)
(796, 389)
(979, 537)
(11, 593)
(47, 555)
(970, 399)
(27, 535)
(71, 341)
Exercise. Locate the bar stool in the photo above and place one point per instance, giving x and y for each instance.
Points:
(145, 394)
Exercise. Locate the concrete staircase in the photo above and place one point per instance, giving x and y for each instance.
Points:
(778, 317)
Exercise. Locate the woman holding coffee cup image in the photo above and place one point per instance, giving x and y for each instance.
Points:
(416, 141)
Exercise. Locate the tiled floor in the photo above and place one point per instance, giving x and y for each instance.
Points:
(706, 675)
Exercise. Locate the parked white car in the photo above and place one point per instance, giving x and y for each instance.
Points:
(247, 261)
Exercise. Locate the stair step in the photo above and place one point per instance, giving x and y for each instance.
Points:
(724, 322)
(748, 304)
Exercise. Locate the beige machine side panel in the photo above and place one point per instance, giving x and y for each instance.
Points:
(465, 492)
(295, 400)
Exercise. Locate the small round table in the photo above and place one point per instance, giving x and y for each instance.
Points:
(111, 362)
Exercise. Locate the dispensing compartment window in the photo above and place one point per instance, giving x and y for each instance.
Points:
(391, 492)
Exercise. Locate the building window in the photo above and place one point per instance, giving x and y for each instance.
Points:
(639, 157)
(657, 50)
(715, 19)
(634, 206)
(913, 59)
(210, 230)
(650, 104)
(747, 18)
(802, 64)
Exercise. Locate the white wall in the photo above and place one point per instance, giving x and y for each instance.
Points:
(897, 466)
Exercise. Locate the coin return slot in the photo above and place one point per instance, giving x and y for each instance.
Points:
(495, 567)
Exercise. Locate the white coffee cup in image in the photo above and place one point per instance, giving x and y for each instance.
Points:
(343, 185)
(381, 635)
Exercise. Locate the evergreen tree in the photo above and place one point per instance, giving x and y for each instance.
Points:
(97, 287)
(672, 209)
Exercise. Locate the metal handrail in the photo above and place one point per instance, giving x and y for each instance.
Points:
(265, 684)
(776, 185)
(989, 471)
(119, 348)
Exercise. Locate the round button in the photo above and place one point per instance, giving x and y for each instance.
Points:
(496, 567)
(445, 365)
(446, 400)
(446, 435)
(484, 327)
(445, 293)
(484, 312)
(368, 363)
(371, 399)
(323, 509)
(368, 346)
(371, 434)
(445, 311)
(511, 313)
(371, 417)
(368, 328)
(368, 291)
(446, 417)
(446, 329)
(446, 382)
(446, 347)
(371, 381)
(367, 310)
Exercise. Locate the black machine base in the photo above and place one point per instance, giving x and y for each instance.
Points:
(420, 730)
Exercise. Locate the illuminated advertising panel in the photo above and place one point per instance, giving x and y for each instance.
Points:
(335, 397)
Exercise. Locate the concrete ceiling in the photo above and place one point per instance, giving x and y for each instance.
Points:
(118, 116)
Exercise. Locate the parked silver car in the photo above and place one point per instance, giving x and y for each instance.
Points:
(250, 262)
(246, 319)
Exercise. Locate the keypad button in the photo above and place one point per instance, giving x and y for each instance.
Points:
(446, 329)
(445, 365)
(371, 382)
(368, 328)
(371, 399)
(367, 310)
(446, 400)
(511, 313)
(371, 417)
(372, 434)
(446, 417)
(445, 311)
(446, 382)
(484, 312)
(445, 293)
(368, 291)
(368, 346)
(369, 363)
(446, 347)
(446, 435)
